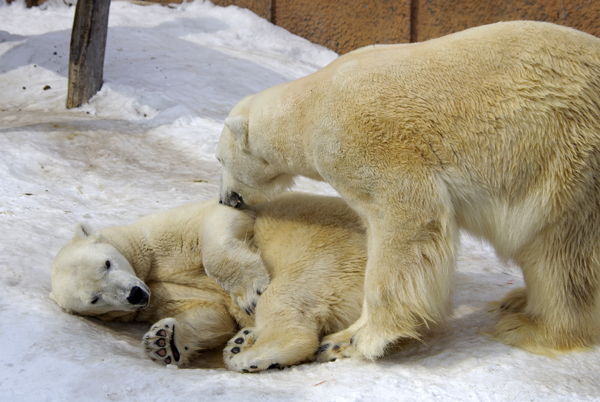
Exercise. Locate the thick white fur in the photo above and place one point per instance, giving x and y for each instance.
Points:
(495, 130)
(313, 249)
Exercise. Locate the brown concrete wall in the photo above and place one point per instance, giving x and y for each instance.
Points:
(344, 25)
(435, 18)
(262, 8)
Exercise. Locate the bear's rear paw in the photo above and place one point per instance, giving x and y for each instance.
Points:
(239, 356)
(160, 345)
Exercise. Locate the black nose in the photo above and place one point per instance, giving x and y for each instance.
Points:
(233, 199)
(138, 296)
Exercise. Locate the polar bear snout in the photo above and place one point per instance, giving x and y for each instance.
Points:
(233, 199)
(138, 297)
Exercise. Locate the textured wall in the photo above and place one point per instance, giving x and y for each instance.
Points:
(435, 18)
(261, 8)
(344, 25)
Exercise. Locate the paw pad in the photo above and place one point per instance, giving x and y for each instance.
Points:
(241, 354)
(159, 343)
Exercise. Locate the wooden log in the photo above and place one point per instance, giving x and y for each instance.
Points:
(88, 42)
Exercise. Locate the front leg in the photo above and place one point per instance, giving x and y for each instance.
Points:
(230, 259)
(412, 242)
(178, 340)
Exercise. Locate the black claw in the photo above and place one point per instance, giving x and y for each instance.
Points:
(332, 360)
(239, 341)
(245, 371)
(321, 348)
(253, 367)
(235, 350)
(274, 366)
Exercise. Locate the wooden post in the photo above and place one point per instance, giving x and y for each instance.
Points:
(86, 59)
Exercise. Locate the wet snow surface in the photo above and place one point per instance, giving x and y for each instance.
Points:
(146, 143)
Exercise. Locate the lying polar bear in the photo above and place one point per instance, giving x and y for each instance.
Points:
(495, 130)
(311, 247)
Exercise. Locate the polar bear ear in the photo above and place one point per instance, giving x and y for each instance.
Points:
(82, 231)
(238, 125)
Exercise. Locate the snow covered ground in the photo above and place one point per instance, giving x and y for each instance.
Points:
(145, 143)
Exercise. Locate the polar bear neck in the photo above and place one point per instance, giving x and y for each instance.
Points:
(132, 244)
(161, 245)
(287, 108)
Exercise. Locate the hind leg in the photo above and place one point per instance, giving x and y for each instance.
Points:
(285, 332)
(560, 310)
(252, 350)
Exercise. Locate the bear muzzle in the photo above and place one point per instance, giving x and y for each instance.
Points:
(138, 297)
(233, 199)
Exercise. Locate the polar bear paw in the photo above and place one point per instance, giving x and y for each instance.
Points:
(246, 296)
(347, 343)
(239, 356)
(332, 349)
(514, 302)
(360, 341)
(160, 345)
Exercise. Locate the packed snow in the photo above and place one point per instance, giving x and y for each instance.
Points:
(145, 143)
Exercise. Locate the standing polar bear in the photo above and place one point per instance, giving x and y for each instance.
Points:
(495, 130)
(311, 248)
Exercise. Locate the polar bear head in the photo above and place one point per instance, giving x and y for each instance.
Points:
(90, 277)
(251, 171)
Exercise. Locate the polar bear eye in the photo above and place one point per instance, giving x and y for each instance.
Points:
(95, 300)
(107, 263)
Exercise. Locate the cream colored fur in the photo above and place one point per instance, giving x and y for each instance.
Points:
(494, 130)
(313, 248)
